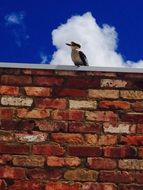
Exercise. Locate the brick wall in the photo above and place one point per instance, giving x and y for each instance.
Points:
(70, 130)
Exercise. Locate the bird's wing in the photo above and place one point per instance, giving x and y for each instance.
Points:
(83, 58)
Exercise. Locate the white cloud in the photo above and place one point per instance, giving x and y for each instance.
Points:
(15, 22)
(98, 43)
(44, 58)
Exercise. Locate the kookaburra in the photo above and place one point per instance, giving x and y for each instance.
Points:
(78, 57)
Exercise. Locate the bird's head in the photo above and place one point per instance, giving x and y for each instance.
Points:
(74, 45)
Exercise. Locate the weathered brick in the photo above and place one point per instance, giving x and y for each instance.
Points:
(98, 186)
(140, 128)
(80, 175)
(131, 94)
(66, 73)
(35, 113)
(82, 83)
(9, 90)
(91, 139)
(42, 174)
(101, 74)
(48, 149)
(84, 151)
(51, 103)
(101, 116)
(35, 137)
(111, 94)
(12, 172)
(38, 72)
(107, 140)
(67, 92)
(120, 152)
(16, 80)
(137, 106)
(101, 163)
(116, 177)
(14, 149)
(38, 91)
(62, 186)
(47, 81)
(88, 127)
(52, 126)
(54, 161)
(76, 115)
(28, 161)
(67, 138)
(113, 83)
(132, 140)
(26, 185)
(5, 159)
(6, 137)
(131, 164)
(16, 101)
(119, 128)
(112, 105)
(82, 104)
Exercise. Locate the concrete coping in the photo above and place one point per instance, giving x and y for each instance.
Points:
(69, 67)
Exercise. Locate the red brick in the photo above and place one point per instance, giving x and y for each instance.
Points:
(6, 113)
(54, 161)
(2, 185)
(14, 149)
(76, 115)
(51, 126)
(114, 105)
(6, 137)
(132, 117)
(48, 149)
(12, 173)
(99, 186)
(140, 152)
(18, 125)
(47, 81)
(71, 92)
(120, 152)
(33, 114)
(26, 185)
(88, 127)
(132, 140)
(5, 159)
(107, 139)
(38, 72)
(38, 91)
(101, 163)
(9, 90)
(51, 103)
(42, 174)
(28, 161)
(62, 186)
(16, 80)
(131, 187)
(137, 106)
(84, 151)
(116, 177)
(140, 128)
(67, 138)
(139, 177)
(82, 83)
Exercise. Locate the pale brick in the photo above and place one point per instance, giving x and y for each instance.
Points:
(38, 91)
(91, 139)
(107, 140)
(113, 83)
(131, 164)
(54, 161)
(119, 128)
(112, 94)
(101, 116)
(35, 137)
(82, 104)
(131, 94)
(16, 101)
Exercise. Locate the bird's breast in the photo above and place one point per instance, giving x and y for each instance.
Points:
(75, 56)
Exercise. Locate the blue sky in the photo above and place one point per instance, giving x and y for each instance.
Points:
(26, 28)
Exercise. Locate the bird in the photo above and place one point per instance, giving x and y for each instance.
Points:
(78, 57)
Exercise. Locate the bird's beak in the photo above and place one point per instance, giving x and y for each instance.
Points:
(68, 44)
